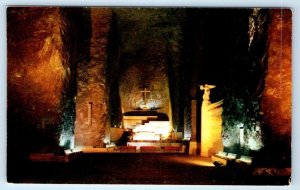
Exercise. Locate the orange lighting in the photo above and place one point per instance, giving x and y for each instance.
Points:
(211, 124)
(154, 130)
(211, 127)
(193, 160)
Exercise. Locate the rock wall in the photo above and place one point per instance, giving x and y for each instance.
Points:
(34, 57)
(39, 75)
(276, 101)
(91, 82)
(148, 58)
(132, 82)
(277, 97)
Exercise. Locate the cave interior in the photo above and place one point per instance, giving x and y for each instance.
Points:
(74, 73)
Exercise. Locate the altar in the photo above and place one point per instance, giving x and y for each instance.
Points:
(147, 125)
(146, 118)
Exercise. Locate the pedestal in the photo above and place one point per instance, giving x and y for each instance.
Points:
(194, 148)
(194, 120)
(211, 128)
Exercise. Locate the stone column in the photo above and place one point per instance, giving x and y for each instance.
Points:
(91, 129)
(211, 124)
(205, 133)
(194, 145)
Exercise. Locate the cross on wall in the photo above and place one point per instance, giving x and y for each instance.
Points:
(145, 91)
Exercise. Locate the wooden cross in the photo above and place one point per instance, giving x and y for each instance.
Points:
(145, 91)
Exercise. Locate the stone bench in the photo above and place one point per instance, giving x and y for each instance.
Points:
(172, 148)
(244, 159)
(51, 157)
(127, 148)
(41, 157)
(224, 158)
(91, 149)
(48, 157)
(148, 149)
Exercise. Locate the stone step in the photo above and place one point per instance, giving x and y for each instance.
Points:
(139, 117)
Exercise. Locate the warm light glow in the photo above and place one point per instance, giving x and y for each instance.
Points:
(193, 160)
(211, 128)
(154, 130)
(18, 75)
(144, 107)
(201, 162)
(146, 136)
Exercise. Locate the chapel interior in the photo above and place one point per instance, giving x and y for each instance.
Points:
(190, 81)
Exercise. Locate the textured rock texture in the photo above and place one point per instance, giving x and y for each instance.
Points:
(150, 37)
(132, 82)
(276, 102)
(91, 82)
(40, 74)
(241, 107)
(35, 66)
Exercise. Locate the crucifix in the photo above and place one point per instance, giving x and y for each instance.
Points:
(145, 91)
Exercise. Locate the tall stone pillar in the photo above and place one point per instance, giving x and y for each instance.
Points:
(194, 145)
(91, 110)
(211, 124)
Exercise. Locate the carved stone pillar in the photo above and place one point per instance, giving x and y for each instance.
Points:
(211, 124)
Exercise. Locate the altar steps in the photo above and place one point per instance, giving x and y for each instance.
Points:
(131, 122)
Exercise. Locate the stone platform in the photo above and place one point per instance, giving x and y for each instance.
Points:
(154, 146)
(139, 144)
(140, 147)
(51, 157)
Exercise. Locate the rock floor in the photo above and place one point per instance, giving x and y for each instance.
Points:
(147, 168)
